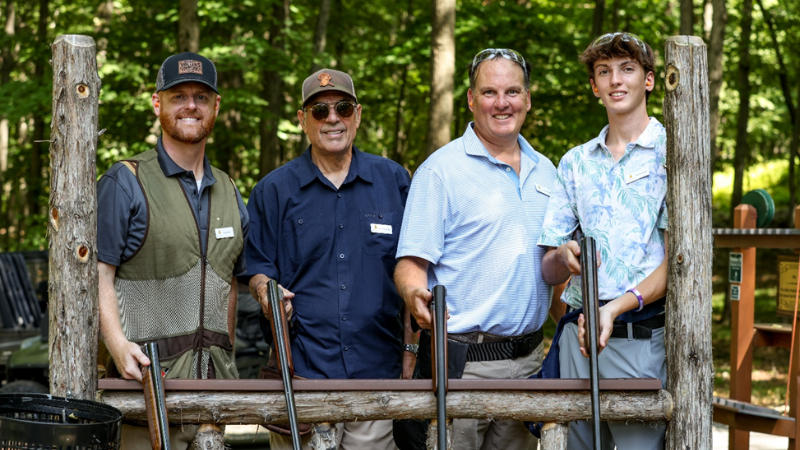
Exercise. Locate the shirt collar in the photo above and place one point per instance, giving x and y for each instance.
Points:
(646, 140)
(171, 168)
(309, 172)
(474, 147)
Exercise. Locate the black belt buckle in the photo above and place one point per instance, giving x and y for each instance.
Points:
(523, 347)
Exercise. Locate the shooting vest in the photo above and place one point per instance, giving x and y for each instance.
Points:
(168, 291)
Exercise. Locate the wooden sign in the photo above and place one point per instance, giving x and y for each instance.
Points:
(735, 267)
(787, 284)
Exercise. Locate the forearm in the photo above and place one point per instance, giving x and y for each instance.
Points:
(554, 271)
(255, 282)
(652, 288)
(557, 307)
(110, 323)
(411, 273)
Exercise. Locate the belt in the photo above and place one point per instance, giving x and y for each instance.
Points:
(487, 347)
(638, 330)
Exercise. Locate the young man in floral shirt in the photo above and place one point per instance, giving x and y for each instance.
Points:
(613, 188)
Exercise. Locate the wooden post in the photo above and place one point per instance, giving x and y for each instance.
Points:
(690, 372)
(794, 371)
(72, 224)
(742, 326)
(554, 436)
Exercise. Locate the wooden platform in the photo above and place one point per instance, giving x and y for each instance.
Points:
(747, 417)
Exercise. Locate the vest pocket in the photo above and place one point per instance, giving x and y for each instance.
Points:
(379, 233)
(306, 238)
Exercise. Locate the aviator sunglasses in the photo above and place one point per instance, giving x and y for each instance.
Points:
(507, 53)
(343, 108)
(624, 37)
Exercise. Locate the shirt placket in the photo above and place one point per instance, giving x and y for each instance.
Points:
(343, 277)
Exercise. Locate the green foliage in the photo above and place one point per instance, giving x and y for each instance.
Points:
(386, 46)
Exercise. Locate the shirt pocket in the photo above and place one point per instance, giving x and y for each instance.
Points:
(379, 232)
(305, 238)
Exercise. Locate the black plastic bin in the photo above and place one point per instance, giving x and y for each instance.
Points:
(44, 422)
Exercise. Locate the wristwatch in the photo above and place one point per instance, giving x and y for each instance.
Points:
(412, 348)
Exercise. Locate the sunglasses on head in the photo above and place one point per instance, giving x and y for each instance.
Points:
(625, 37)
(343, 108)
(507, 53)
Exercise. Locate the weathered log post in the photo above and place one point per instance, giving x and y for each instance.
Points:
(554, 436)
(688, 327)
(72, 224)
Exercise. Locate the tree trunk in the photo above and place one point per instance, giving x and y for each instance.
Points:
(742, 151)
(792, 158)
(72, 221)
(443, 62)
(687, 18)
(208, 437)
(690, 373)
(347, 406)
(8, 62)
(34, 181)
(321, 33)
(272, 89)
(597, 21)
(715, 54)
(188, 26)
(615, 17)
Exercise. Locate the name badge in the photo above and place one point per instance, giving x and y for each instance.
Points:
(222, 233)
(543, 190)
(637, 175)
(380, 228)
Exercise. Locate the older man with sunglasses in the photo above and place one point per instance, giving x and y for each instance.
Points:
(325, 226)
(471, 223)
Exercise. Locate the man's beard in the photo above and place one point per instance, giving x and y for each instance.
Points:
(170, 125)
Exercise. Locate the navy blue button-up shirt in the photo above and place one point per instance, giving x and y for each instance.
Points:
(334, 248)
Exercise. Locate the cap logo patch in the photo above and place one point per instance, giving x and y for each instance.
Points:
(190, 66)
(325, 79)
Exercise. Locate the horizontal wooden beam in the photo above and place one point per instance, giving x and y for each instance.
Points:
(192, 407)
(525, 384)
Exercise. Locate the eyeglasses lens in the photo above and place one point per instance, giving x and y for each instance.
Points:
(344, 109)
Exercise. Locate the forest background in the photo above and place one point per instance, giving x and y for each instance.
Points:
(263, 50)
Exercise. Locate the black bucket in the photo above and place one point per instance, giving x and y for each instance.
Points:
(44, 422)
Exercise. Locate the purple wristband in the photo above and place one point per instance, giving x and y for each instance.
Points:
(638, 295)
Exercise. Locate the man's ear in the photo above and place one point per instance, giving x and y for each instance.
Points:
(470, 99)
(301, 117)
(650, 81)
(216, 107)
(595, 91)
(156, 102)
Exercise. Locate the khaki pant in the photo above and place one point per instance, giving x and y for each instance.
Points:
(482, 434)
(138, 438)
(371, 435)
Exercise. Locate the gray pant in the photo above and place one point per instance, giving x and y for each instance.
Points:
(369, 435)
(481, 434)
(622, 358)
(138, 438)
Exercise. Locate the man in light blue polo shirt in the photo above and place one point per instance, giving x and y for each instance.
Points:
(471, 223)
(614, 189)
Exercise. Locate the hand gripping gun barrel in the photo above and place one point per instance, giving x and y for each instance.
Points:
(438, 309)
(591, 313)
(280, 334)
(155, 400)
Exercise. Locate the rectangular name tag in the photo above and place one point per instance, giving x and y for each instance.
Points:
(543, 190)
(637, 175)
(380, 228)
(222, 233)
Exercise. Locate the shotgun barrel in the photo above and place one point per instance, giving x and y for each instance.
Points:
(280, 333)
(438, 309)
(155, 400)
(591, 313)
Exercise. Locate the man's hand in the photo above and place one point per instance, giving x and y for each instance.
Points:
(606, 324)
(418, 302)
(258, 287)
(129, 358)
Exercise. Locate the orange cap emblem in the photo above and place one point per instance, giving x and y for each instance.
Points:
(325, 79)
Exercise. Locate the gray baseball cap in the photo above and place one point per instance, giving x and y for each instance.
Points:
(328, 80)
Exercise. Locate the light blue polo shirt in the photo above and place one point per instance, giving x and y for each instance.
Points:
(477, 223)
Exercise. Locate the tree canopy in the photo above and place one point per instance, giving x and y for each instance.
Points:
(263, 49)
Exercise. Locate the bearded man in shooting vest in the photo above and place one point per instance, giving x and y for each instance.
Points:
(171, 243)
